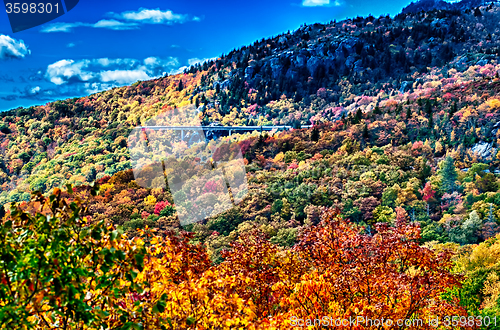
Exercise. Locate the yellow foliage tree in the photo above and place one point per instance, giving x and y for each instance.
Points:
(150, 200)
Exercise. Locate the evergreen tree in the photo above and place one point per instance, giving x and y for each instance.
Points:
(261, 140)
(366, 134)
(315, 134)
(408, 113)
(91, 174)
(453, 109)
(399, 108)
(448, 174)
(491, 217)
(425, 170)
(428, 111)
(296, 124)
(358, 116)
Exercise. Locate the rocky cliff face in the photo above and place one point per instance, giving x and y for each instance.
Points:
(359, 55)
(428, 5)
(321, 56)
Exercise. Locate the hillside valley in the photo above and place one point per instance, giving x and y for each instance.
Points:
(402, 158)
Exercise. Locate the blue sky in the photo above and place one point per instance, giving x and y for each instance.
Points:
(103, 44)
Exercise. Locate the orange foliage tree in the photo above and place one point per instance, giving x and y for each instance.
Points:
(163, 281)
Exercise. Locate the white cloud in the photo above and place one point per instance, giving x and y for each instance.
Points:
(109, 24)
(123, 76)
(158, 62)
(71, 45)
(64, 71)
(152, 16)
(73, 78)
(115, 25)
(103, 73)
(62, 27)
(12, 48)
(127, 20)
(321, 3)
(35, 90)
(194, 61)
(152, 61)
(121, 62)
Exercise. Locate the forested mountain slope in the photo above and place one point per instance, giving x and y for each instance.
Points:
(316, 73)
(401, 163)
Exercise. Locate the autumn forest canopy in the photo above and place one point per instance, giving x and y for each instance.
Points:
(387, 207)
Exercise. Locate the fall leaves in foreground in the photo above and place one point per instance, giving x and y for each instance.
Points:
(59, 271)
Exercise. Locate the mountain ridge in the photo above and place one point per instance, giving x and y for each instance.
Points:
(428, 5)
(320, 72)
(394, 192)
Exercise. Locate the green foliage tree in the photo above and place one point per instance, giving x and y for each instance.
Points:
(290, 156)
(471, 226)
(487, 182)
(51, 258)
(4, 128)
(448, 175)
(383, 214)
(476, 169)
(24, 156)
(432, 232)
(226, 222)
(466, 233)
(389, 197)
(277, 206)
(285, 237)
(425, 170)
